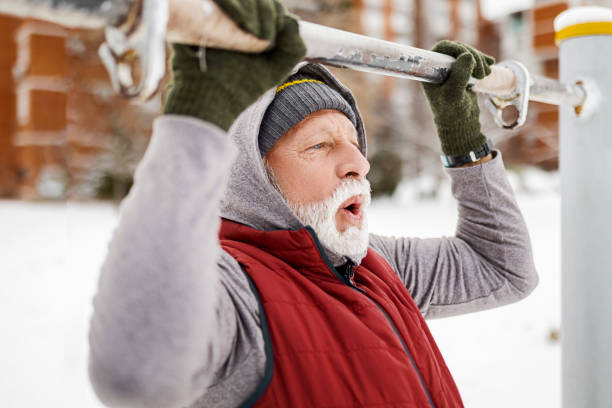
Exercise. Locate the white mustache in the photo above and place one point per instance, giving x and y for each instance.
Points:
(328, 207)
(321, 216)
(351, 188)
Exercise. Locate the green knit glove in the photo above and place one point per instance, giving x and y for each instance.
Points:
(230, 81)
(455, 109)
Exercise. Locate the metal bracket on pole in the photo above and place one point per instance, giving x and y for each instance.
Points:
(135, 52)
(519, 98)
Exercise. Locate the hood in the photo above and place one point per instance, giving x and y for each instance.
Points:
(250, 198)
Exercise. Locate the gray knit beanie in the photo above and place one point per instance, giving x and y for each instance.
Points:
(296, 98)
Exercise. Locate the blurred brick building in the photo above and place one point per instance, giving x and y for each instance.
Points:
(64, 133)
(528, 36)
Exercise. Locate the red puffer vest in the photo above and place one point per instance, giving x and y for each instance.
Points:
(332, 342)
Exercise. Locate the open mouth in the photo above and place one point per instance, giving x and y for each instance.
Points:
(353, 205)
(353, 208)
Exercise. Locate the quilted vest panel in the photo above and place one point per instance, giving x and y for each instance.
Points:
(337, 343)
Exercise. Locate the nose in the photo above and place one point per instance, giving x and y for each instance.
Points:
(351, 162)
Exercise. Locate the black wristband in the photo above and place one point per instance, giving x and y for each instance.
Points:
(471, 157)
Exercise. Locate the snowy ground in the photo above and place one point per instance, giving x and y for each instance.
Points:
(50, 255)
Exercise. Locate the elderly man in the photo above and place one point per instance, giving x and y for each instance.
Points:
(242, 271)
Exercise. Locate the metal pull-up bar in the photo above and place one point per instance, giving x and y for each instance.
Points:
(138, 29)
(508, 84)
(362, 53)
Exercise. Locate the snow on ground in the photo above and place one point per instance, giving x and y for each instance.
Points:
(51, 253)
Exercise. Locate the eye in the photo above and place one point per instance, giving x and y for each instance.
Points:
(318, 146)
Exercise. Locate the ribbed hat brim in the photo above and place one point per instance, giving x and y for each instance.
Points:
(298, 97)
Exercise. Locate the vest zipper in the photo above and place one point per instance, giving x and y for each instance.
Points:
(349, 282)
(352, 285)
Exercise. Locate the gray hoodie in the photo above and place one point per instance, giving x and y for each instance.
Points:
(175, 322)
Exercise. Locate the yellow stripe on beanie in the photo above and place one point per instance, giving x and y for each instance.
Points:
(298, 81)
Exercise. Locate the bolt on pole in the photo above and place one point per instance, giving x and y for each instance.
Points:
(585, 38)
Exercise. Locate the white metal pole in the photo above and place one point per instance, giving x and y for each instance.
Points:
(585, 37)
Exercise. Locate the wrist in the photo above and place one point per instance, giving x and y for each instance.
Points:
(479, 155)
(482, 160)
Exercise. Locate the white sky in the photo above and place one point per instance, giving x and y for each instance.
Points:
(492, 9)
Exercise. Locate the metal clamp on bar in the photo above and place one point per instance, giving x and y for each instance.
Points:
(135, 52)
(518, 98)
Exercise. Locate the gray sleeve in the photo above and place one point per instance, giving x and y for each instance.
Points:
(487, 263)
(168, 312)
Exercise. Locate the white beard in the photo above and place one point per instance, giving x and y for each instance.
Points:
(321, 216)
